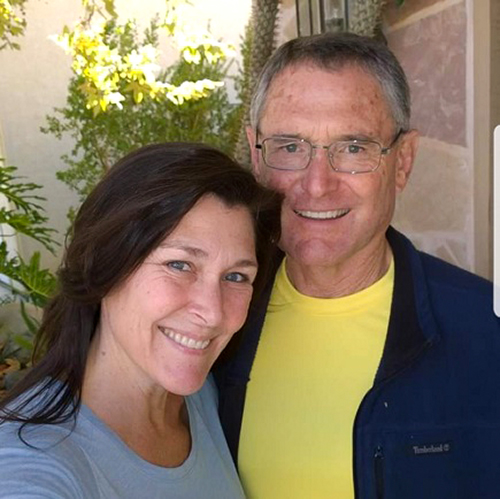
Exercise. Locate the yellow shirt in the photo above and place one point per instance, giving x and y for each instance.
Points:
(315, 361)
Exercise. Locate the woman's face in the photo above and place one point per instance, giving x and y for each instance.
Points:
(169, 321)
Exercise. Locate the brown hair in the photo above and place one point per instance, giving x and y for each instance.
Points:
(132, 209)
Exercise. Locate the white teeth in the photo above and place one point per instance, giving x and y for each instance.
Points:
(185, 341)
(323, 215)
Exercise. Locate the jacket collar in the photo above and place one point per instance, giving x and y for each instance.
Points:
(411, 325)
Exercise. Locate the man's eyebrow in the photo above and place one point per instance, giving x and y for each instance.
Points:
(349, 136)
(356, 136)
(286, 136)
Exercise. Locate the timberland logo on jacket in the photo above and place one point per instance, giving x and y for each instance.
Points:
(438, 448)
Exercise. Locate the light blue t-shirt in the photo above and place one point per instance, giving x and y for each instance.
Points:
(93, 462)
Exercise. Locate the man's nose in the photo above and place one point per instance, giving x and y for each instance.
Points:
(206, 303)
(319, 177)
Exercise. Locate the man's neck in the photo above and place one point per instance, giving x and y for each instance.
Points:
(345, 278)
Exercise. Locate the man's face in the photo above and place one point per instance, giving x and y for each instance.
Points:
(331, 218)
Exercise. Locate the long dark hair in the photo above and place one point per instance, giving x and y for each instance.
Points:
(132, 209)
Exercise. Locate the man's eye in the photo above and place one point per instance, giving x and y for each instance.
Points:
(290, 148)
(283, 146)
(179, 265)
(236, 277)
(354, 149)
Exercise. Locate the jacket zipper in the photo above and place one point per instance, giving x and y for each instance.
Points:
(426, 345)
(379, 472)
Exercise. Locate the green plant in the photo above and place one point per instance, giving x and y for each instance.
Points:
(22, 282)
(119, 98)
(257, 45)
(25, 286)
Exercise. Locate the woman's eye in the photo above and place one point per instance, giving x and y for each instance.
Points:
(179, 265)
(236, 277)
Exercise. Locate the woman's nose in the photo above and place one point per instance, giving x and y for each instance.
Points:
(206, 303)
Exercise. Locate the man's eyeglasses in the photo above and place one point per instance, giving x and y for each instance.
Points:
(345, 156)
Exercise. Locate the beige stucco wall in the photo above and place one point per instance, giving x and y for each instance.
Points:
(34, 80)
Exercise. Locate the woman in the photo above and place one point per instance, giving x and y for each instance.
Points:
(157, 278)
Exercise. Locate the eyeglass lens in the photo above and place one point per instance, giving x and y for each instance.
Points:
(349, 156)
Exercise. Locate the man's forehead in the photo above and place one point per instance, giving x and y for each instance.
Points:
(309, 85)
(338, 69)
(307, 96)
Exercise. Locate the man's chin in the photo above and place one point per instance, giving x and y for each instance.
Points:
(312, 253)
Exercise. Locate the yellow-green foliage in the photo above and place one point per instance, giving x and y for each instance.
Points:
(120, 97)
(110, 74)
(12, 22)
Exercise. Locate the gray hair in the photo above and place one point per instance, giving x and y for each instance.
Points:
(333, 52)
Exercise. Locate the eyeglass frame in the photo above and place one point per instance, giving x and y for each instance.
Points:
(383, 151)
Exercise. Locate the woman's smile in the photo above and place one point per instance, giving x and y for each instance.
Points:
(184, 340)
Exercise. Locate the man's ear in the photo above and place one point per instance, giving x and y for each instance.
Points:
(254, 153)
(405, 157)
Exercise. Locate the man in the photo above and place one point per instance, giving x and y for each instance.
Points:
(369, 369)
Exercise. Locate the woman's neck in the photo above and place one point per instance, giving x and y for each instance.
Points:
(151, 422)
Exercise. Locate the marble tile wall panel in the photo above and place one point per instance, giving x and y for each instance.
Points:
(436, 206)
(394, 14)
(432, 51)
(451, 247)
(453, 250)
(438, 194)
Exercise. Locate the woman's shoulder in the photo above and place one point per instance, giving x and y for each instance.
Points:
(42, 460)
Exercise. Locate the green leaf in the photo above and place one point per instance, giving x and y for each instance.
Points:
(40, 283)
(109, 5)
(31, 323)
(12, 23)
(23, 212)
(23, 342)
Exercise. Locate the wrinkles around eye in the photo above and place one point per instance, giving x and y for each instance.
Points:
(179, 265)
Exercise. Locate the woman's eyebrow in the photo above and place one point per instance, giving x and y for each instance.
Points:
(246, 263)
(200, 253)
(192, 250)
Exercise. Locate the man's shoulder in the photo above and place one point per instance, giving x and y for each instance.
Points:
(442, 273)
(438, 272)
(451, 295)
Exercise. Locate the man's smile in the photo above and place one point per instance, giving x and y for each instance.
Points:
(322, 215)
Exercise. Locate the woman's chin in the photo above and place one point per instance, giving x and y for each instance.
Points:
(186, 385)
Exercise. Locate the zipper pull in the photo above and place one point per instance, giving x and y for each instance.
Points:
(379, 472)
